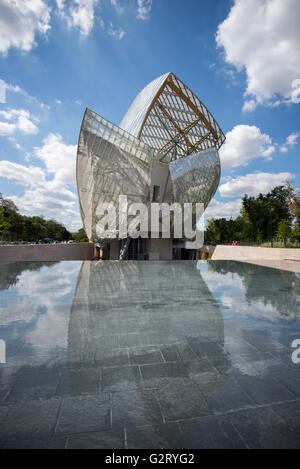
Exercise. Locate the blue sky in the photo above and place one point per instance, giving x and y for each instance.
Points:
(241, 58)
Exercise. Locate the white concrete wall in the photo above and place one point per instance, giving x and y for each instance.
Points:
(47, 252)
(160, 176)
(252, 253)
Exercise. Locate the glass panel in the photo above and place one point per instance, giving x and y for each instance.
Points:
(109, 165)
(196, 177)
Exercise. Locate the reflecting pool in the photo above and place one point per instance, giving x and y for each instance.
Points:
(137, 354)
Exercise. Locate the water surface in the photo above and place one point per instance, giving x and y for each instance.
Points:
(148, 354)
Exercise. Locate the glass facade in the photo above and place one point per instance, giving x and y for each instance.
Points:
(134, 117)
(195, 178)
(170, 118)
(166, 149)
(110, 162)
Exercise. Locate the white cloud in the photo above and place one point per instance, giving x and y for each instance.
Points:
(6, 128)
(262, 37)
(48, 331)
(27, 176)
(143, 9)
(58, 204)
(101, 22)
(15, 143)
(60, 4)
(243, 144)
(224, 282)
(117, 6)
(28, 98)
(295, 98)
(26, 125)
(20, 22)
(9, 114)
(78, 14)
(291, 141)
(21, 120)
(258, 308)
(14, 88)
(253, 184)
(48, 191)
(217, 209)
(117, 33)
(41, 199)
(59, 158)
(249, 105)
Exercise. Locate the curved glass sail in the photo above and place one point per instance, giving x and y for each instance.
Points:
(134, 117)
(171, 119)
(166, 149)
(196, 177)
(110, 163)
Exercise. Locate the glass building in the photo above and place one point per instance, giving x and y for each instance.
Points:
(165, 150)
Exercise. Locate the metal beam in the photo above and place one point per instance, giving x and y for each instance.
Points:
(197, 111)
(186, 128)
(170, 118)
(201, 139)
(160, 91)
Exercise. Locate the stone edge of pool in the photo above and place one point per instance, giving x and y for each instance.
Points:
(286, 259)
(278, 258)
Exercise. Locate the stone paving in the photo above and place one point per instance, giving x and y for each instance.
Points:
(155, 357)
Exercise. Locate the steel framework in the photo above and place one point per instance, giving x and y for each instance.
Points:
(167, 140)
(171, 119)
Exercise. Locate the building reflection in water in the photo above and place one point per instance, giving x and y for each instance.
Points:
(137, 345)
(144, 313)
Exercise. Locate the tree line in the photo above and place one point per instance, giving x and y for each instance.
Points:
(267, 217)
(17, 227)
(275, 215)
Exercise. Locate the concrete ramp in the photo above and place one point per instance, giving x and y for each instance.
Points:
(285, 259)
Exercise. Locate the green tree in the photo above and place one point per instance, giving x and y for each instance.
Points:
(221, 231)
(14, 226)
(3, 222)
(80, 236)
(57, 231)
(295, 232)
(284, 231)
(259, 218)
(294, 202)
(266, 211)
(278, 200)
(8, 205)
